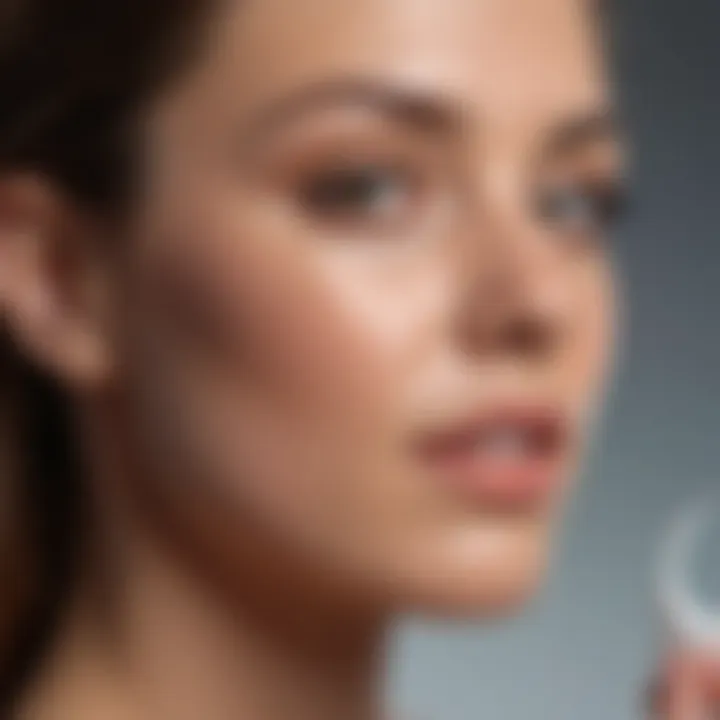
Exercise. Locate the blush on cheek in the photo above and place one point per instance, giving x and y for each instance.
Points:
(255, 322)
(265, 309)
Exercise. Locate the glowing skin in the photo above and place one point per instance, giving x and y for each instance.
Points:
(257, 355)
(288, 357)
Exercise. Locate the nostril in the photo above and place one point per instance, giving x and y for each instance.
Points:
(511, 332)
(528, 335)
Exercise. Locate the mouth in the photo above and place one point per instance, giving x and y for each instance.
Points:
(509, 456)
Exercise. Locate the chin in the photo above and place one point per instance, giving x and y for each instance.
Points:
(490, 574)
(497, 597)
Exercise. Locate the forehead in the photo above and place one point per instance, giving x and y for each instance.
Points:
(532, 58)
(519, 67)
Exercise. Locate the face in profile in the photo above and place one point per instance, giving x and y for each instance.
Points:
(363, 309)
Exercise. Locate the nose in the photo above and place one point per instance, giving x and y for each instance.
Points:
(517, 283)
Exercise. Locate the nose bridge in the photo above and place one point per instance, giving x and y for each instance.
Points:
(515, 284)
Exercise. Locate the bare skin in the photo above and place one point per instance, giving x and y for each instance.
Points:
(686, 686)
(252, 361)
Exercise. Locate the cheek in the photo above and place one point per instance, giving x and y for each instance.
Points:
(273, 363)
(593, 332)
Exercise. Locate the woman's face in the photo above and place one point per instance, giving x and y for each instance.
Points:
(366, 303)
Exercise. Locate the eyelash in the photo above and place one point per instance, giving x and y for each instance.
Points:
(380, 194)
(353, 193)
(605, 204)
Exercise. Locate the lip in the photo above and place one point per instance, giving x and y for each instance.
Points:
(462, 456)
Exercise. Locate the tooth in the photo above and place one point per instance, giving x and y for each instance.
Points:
(504, 443)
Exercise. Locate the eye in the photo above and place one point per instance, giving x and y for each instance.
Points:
(366, 193)
(587, 208)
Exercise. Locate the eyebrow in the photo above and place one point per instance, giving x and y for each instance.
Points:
(577, 132)
(426, 111)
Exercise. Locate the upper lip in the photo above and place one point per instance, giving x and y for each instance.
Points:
(546, 424)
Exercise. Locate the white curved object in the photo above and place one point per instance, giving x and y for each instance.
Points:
(694, 623)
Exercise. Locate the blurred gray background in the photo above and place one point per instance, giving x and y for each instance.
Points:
(583, 650)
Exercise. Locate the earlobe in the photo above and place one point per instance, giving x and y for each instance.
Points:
(49, 280)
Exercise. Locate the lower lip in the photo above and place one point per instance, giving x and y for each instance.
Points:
(513, 483)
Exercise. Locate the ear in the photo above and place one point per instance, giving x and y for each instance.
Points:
(54, 282)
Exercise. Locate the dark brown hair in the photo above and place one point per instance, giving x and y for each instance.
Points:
(75, 76)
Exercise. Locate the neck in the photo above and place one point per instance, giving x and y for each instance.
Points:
(158, 645)
(148, 636)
